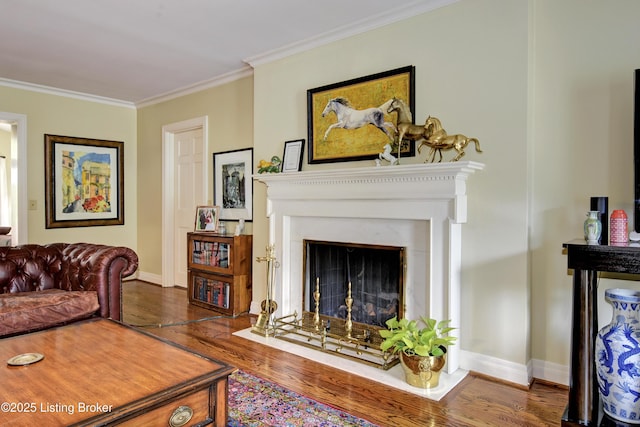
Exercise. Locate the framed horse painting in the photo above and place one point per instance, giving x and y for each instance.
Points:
(351, 120)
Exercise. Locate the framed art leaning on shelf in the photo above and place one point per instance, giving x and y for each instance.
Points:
(207, 218)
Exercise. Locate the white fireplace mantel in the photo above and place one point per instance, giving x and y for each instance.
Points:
(419, 206)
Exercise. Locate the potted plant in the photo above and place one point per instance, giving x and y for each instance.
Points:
(422, 350)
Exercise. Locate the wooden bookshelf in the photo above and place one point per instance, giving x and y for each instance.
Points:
(220, 271)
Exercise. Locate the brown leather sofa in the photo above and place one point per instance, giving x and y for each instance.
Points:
(47, 285)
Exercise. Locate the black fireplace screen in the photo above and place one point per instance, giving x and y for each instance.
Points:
(375, 273)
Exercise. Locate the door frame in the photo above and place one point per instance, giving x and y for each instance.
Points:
(19, 156)
(168, 188)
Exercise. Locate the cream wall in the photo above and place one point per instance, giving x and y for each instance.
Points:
(582, 133)
(229, 109)
(5, 143)
(69, 116)
(471, 62)
(547, 88)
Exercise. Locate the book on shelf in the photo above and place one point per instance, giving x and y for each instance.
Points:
(226, 295)
(214, 254)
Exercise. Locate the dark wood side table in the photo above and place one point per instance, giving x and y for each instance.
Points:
(586, 261)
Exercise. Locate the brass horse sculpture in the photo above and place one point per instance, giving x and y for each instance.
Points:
(404, 124)
(431, 134)
(438, 140)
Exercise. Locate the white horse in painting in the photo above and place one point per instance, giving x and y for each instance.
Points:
(350, 118)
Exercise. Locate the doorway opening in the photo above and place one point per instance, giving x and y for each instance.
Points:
(175, 203)
(16, 159)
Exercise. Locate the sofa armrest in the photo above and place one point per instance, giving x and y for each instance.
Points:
(101, 268)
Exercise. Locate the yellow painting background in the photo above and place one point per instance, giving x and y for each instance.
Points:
(367, 140)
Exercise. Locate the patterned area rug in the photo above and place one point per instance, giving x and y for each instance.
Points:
(254, 402)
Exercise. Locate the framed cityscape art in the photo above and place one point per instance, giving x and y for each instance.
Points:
(84, 182)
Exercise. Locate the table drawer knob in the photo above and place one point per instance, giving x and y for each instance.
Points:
(180, 416)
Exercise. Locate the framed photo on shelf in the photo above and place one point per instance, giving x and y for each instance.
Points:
(349, 120)
(207, 218)
(292, 157)
(84, 182)
(233, 185)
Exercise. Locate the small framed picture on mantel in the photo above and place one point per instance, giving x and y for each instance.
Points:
(292, 157)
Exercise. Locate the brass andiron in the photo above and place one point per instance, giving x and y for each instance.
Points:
(316, 298)
(264, 325)
(348, 325)
(329, 334)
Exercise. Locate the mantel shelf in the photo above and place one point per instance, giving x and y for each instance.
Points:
(451, 170)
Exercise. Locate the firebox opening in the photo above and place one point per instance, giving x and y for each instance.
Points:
(374, 271)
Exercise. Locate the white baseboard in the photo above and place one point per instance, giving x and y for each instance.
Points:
(149, 277)
(492, 366)
(551, 372)
(502, 369)
(515, 372)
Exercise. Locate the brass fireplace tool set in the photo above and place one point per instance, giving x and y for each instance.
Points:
(264, 325)
(329, 334)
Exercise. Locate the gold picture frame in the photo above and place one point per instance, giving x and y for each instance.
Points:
(366, 126)
(84, 182)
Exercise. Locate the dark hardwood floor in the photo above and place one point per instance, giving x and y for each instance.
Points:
(476, 401)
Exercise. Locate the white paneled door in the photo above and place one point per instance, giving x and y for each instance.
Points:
(189, 180)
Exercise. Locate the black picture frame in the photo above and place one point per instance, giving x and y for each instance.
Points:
(292, 156)
(329, 143)
(84, 182)
(233, 184)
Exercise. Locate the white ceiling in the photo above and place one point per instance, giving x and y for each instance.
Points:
(138, 51)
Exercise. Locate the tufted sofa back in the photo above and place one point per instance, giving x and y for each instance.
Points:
(70, 267)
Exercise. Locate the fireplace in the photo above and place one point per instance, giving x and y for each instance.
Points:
(419, 207)
(371, 274)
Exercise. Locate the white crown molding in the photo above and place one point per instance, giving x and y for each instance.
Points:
(403, 12)
(63, 92)
(197, 87)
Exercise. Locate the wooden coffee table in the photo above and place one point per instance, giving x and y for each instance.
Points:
(100, 372)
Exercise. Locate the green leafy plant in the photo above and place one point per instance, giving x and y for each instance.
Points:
(270, 167)
(405, 336)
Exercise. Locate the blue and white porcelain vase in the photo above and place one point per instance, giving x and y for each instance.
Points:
(617, 349)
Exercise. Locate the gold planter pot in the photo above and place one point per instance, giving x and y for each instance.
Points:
(422, 371)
